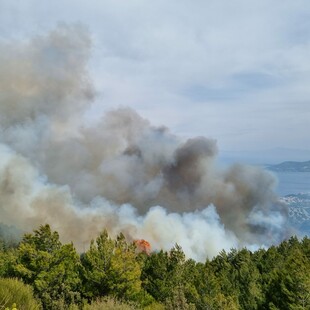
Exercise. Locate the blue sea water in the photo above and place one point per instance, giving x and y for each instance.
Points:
(292, 183)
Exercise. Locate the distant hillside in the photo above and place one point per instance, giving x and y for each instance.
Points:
(291, 166)
(262, 157)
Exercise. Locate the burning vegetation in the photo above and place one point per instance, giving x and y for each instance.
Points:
(143, 246)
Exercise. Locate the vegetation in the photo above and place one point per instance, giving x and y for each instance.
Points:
(16, 295)
(41, 272)
(108, 304)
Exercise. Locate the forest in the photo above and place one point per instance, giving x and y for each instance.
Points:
(40, 272)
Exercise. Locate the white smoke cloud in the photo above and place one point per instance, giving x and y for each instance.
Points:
(121, 173)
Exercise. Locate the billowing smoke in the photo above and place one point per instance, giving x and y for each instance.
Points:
(120, 173)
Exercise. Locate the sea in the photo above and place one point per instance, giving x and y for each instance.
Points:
(292, 183)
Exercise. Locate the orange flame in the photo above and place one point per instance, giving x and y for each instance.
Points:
(143, 246)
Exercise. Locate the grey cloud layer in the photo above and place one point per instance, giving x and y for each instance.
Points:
(204, 67)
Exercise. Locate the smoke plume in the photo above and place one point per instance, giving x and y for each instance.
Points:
(121, 173)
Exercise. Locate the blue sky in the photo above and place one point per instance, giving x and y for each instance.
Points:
(236, 71)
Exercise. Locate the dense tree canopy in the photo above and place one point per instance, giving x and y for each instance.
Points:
(114, 273)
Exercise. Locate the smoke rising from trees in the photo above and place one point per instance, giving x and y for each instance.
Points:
(120, 173)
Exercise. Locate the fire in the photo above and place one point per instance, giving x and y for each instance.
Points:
(143, 246)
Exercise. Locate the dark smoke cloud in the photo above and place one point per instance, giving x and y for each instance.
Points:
(121, 173)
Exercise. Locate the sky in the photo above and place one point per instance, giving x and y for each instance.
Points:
(237, 71)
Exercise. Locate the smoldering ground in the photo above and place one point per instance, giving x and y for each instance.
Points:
(120, 173)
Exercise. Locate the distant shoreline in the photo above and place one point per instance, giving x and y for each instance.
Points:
(290, 166)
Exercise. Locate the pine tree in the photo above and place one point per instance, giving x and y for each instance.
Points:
(50, 267)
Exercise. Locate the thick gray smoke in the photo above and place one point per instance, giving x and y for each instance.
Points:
(121, 173)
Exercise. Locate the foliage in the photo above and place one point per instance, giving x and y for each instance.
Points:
(109, 304)
(112, 274)
(50, 267)
(111, 268)
(15, 294)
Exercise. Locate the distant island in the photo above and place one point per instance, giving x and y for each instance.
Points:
(291, 166)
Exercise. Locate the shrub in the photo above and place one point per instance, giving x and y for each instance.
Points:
(109, 304)
(13, 291)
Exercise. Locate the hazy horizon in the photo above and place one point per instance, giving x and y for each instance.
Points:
(275, 155)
